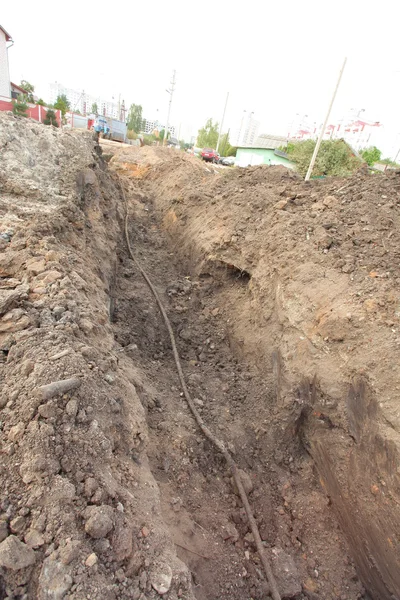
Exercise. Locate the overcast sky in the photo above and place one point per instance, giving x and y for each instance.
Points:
(275, 58)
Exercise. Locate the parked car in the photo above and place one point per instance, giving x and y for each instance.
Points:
(228, 161)
(210, 155)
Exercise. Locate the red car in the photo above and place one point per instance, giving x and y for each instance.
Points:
(209, 154)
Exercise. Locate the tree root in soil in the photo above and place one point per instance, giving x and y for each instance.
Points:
(218, 444)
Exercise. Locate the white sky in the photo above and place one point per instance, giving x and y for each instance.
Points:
(275, 58)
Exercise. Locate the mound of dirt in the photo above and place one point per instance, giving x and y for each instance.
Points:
(80, 512)
(307, 277)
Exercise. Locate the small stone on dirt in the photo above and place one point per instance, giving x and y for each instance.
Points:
(286, 574)
(15, 555)
(3, 530)
(100, 521)
(34, 539)
(161, 581)
(54, 581)
(72, 408)
(16, 432)
(17, 525)
(91, 560)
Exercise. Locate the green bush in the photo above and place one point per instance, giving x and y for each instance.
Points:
(371, 155)
(50, 118)
(335, 157)
(20, 107)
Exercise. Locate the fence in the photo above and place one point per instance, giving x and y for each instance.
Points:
(34, 111)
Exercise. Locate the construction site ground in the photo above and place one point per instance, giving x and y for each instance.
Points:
(284, 300)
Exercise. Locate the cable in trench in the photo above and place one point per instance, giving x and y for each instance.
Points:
(206, 431)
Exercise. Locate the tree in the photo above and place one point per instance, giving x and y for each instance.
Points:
(135, 118)
(28, 89)
(162, 134)
(335, 157)
(20, 106)
(95, 108)
(207, 136)
(50, 118)
(225, 148)
(62, 104)
(41, 102)
(371, 155)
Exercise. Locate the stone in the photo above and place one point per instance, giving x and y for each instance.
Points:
(229, 532)
(16, 432)
(9, 283)
(69, 552)
(34, 539)
(280, 205)
(72, 408)
(91, 486)
(145, 531)
(100, 520)
(91, 560)
(62, 489)
(48, 410)
(49, 277)
(286, 574)
(161, 580)
(122, 540)
(3, 530)
(86, 325)
(27, 367)
(36, 267)
(54, 580)
(330, 201)
(15, 555)
(59, 310)
(18, 524)
(12, 326)
(101, 545)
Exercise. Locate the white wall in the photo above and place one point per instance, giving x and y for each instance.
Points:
(5, 89)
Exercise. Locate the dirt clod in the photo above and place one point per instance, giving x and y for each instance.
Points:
(15, 555)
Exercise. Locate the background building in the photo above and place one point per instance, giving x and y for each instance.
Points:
(263, 151)
(248, 130)
(80, 100)
(5, 84)
(150, 125)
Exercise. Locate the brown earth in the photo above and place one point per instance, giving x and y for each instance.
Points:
(315, 309)
(282, 296)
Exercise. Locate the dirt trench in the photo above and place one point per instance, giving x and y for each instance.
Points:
(318, 317)
(200, 507)
(109, 491)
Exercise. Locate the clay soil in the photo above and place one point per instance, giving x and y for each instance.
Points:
(283, 299)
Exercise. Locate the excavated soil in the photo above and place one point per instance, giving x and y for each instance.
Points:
(284, 301)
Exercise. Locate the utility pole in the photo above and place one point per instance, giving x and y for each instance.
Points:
(222, 122)
(321, 135)
(170, 92)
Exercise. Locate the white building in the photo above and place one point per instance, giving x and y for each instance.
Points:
(248, 130)
(150, 125)
(5, 84)
(80, 100)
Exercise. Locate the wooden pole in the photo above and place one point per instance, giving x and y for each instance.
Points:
(222, 122)
(321, 135)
